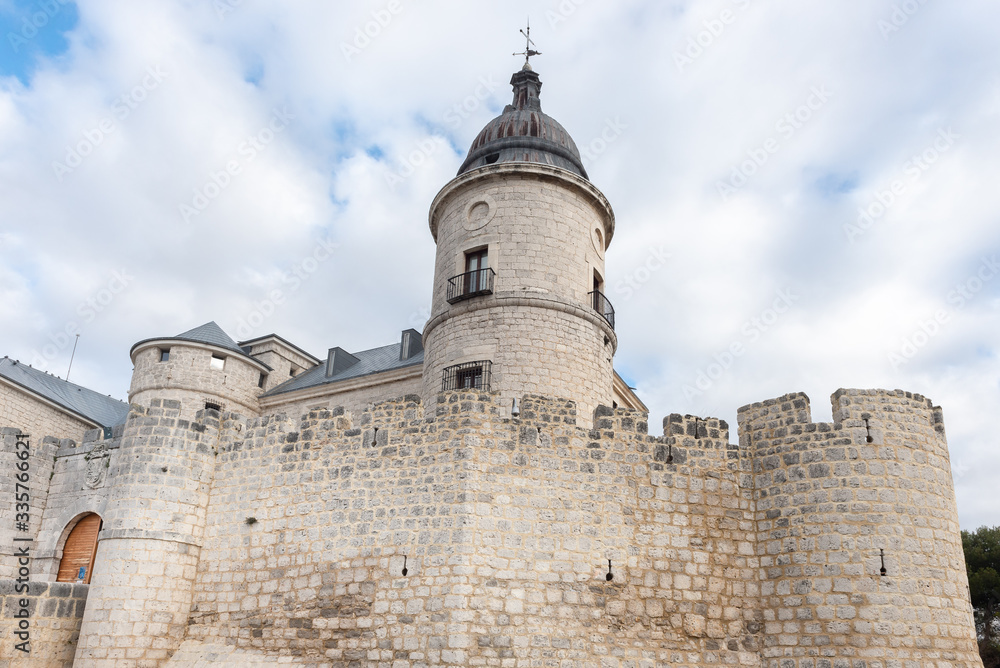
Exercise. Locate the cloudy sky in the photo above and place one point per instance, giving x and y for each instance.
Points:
(802, 189)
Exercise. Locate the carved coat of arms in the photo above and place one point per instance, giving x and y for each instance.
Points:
(97, 465)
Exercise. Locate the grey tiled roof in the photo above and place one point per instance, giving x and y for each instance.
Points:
(212, 334)
(209, 333)
(94, 406)
(371, 361)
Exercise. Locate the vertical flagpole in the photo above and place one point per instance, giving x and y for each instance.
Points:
(72, 356)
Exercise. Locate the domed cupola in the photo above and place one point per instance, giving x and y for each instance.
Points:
(523, 133)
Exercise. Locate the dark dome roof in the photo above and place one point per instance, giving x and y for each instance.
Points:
(523, 133)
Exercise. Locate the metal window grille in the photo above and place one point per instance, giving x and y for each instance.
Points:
(603, 306)
(468, 376)
(470, 284)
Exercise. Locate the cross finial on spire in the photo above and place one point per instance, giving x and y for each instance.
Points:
(528, 51)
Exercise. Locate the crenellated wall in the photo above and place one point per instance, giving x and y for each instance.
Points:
(506, 525)
(284, 538)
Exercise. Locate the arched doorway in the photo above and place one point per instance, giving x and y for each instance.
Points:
(78, 554)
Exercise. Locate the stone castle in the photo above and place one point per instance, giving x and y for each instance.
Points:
(483, 493)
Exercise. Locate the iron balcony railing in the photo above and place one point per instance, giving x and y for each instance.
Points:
(468, 376)
(470, 284)
(603, 306)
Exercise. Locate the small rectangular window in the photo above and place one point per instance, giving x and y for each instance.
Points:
(260, 381)
(164, 354)
(218, 362)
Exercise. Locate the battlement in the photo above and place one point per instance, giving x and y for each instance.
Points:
(678, 425)
(861, 418)
(788, 409)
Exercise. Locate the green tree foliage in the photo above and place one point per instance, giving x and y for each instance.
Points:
(982, 561)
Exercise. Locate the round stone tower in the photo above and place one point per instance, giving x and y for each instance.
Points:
(201, 368)
(518, 304)
(185, 389)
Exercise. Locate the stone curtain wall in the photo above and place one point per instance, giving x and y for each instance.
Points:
(556, 502)
(34, 417)
(506, 526)
(284, 540)
(55, 609)
(79, 484)
(829, 496)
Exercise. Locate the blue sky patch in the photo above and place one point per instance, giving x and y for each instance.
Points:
(833, 185)
(33, 31)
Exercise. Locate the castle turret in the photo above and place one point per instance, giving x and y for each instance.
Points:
(201, 368)
(519, 303)
(183, 388)
(859, 546)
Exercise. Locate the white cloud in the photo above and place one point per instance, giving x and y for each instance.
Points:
(323, 178)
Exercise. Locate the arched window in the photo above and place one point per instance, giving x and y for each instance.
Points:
(77, 561)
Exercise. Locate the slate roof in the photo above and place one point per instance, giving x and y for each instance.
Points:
(376, 360)
(209, 333)
(94, 406)
(212, 334)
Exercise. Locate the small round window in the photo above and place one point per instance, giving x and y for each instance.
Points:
(598, 239)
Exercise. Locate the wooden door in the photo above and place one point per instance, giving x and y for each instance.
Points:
(80, 550)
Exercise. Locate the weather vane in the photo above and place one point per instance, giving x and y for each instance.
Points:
(528, 51)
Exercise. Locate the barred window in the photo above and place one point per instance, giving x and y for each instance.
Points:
(468, 376)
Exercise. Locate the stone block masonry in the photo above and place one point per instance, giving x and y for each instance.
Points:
(55, 609)
(154, 523)
(545, 231)
(505, 528)
(469, 538)
(833, 501)
(509, 528)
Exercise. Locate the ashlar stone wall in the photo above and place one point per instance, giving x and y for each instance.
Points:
(505, 528)
(53, 625)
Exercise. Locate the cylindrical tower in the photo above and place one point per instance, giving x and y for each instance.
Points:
(519, 304)
(154, 523)
(859, 546)
(202, 368)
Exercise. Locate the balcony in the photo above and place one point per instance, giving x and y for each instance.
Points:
(603, 306)
(470, 284)
(468, 376)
